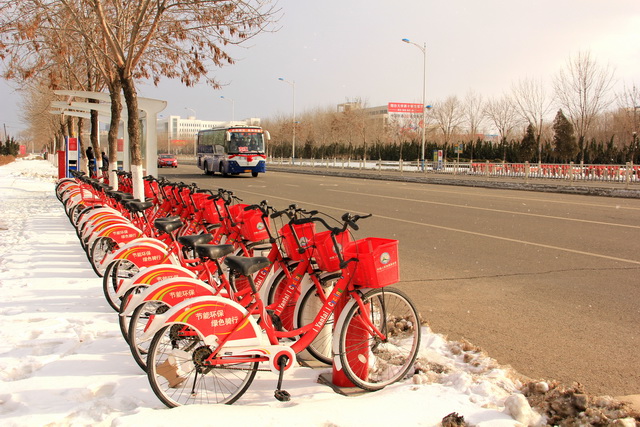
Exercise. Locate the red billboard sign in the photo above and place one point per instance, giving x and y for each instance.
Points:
(404, 107)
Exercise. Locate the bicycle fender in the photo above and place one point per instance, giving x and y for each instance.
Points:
(169, 291)
(95, 221)
(119, 232)
(92, 231)
(154, 274)
(98, 213)
(72, 192)
(142, 254)
(213, 318)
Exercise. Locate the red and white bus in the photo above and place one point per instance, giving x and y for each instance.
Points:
(232, 150)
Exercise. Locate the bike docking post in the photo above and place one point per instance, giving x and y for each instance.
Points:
(355, 337)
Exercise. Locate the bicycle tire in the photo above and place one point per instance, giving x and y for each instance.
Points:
(120, 268)
(82, 212)
(63, 182)
(100, 248)
(369, 362)
(123, 321)
(310, 304)
(177, 379)
(137, 323)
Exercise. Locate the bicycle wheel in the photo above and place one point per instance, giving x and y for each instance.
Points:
(115, 271)
(124, 320)
(84, 211)
(368, 361)
(100, 248)
(137, 324)
(75, 211)
(178, 376)
(310, 304)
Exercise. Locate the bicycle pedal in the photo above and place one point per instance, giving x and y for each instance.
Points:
(282, 395)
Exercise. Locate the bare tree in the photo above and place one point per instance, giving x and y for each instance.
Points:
(171, 38)
(43, 48)
(582, 90)
(503, 114)
(36, 108)
(629, 104)
(473, 106)
(448, 116)
(533, 104)
(147, 39)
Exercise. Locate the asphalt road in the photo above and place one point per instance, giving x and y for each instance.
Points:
(547, 283)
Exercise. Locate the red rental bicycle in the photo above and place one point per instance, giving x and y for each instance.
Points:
(209, 349)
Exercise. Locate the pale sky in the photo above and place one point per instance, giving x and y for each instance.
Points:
(337, 50)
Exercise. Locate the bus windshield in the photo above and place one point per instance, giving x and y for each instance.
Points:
(245, 142)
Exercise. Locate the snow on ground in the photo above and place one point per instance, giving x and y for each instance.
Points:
(64, 362)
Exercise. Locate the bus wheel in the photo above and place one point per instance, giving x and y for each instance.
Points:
(254, 174)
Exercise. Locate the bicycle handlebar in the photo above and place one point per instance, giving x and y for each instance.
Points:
(348, 219)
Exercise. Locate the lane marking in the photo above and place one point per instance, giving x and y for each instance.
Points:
(490, 209)
(534, 199)
(422, 188)
(473, 233)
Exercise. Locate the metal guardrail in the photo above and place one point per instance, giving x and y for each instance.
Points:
(623, 174)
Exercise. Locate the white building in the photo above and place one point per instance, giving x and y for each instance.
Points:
(178, 135)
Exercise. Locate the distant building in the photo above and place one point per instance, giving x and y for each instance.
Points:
(380, 113)
(176, 134)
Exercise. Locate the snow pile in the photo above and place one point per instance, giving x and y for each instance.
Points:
(64, 362)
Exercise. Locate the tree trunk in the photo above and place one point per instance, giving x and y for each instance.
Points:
(95, 142)
(133, 128)
(112, 138)
(83, 164)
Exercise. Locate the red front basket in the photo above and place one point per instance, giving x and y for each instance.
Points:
(304, 232)
(210, 213)
(252, 227)
(325, 253)
(378, 264)
(236, 211)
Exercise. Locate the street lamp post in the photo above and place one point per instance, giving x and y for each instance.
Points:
(423, 48)
(293, 143)
(233, 107)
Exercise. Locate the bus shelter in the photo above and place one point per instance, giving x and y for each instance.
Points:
(149, 109)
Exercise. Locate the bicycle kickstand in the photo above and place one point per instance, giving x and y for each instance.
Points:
(282, 395)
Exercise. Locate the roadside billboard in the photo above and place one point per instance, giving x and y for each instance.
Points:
(405, 116)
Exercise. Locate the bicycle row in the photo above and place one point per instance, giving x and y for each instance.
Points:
(210, 290)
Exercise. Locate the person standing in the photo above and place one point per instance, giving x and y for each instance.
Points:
(91, 159)
(105, 162)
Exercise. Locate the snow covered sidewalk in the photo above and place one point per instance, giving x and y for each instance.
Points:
(64, 362)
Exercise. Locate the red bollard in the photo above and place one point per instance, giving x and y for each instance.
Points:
(360, 361)
(62, 164)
